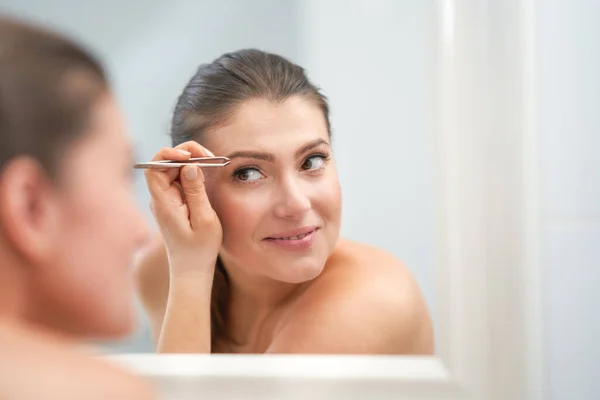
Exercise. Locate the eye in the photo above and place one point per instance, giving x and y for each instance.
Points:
(314, 162)
(248, 174)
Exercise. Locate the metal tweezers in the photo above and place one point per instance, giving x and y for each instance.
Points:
(200, 162)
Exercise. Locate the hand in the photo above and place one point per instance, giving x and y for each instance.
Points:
(190, 227)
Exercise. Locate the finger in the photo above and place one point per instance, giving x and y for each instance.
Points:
(170, 153)
(159, 181)
(177, 184)
(162, 179)
(166, 223)
(192, 183)
(172, 217)
(167, 204)
(170, 197)
(195, 148)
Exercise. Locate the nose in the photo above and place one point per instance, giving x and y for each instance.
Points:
(292, 202)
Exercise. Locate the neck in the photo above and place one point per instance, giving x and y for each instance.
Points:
(252, 300)
(17, 299)
(13, 290)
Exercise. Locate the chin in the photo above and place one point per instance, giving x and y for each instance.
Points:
(111, 324)
(303, 272)
(114, 329)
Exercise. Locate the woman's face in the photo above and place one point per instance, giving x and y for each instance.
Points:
(84, 283)
(279, 200)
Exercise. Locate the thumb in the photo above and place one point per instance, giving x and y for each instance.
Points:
(192, 185)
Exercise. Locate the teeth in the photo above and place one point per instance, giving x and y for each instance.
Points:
(294, 237)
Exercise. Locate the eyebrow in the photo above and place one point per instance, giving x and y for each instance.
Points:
(270, 157)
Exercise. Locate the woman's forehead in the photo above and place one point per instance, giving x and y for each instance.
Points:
(264, 123)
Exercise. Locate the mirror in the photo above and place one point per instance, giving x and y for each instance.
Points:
(378, 80)
(448, 122)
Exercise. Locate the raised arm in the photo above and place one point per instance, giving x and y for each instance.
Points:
(175, 279)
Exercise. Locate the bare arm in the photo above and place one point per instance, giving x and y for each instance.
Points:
(178, 308)
(186, 327)
(379, 312)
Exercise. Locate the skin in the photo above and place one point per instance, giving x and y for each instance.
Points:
(65, 273)
(36, 364)
(336, 297)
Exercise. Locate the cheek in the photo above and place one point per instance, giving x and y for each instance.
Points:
(327, 197)
(87, 274)
(99, 238)
(240, 212)
(97, 231)
(97, 216)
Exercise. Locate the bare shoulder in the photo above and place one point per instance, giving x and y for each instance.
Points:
(365, 301)
(383, 286)
(36, 365)
(363, 260)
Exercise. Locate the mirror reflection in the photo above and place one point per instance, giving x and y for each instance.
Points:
(322, 226)
(253, 249)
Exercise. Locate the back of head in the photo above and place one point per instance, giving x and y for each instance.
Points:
(64, 255)
(47, 86)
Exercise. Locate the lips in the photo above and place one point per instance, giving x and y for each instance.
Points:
(295, 234)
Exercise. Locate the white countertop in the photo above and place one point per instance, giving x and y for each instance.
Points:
(304, 377)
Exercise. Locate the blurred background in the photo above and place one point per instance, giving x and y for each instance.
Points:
(377, 61)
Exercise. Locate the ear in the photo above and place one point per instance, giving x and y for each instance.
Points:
(28, 209)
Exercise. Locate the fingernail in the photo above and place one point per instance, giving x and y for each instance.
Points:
(187, 153)
(191, 173)
(210, 153)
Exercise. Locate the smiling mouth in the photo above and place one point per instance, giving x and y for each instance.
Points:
(296, 237)
(292, 237)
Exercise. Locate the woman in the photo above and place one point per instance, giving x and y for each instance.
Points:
(65, 167)
(251, 250)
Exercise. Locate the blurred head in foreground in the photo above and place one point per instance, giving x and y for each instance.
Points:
(68, 219)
